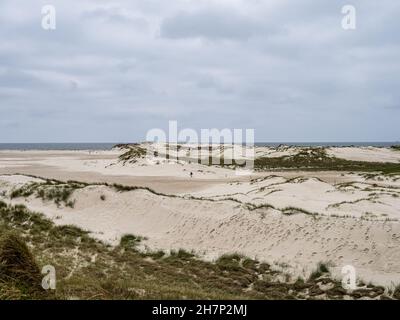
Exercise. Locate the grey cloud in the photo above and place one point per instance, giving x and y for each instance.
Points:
(112, 71)
(115, 15)
(210, 24)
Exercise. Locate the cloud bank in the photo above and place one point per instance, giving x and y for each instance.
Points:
(112, 70)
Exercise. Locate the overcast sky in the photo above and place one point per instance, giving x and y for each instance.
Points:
(112, 70)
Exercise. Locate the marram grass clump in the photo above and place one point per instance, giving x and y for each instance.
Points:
(130, 241)
(19, 273)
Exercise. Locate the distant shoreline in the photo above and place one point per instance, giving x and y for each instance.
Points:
(110, 145)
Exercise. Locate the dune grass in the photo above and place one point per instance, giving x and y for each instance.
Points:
(322, 268)
(317, 159)
(19, 273)
(130, 241)
(50, 190)
(295, 210)
(89, 269)
(133, 153)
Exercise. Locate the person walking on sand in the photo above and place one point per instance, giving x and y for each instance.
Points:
(191, 174)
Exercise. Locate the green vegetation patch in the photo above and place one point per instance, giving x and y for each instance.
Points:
(19, 273)
(133, 153)
(50, 190)
(317, 159)
(130, 241)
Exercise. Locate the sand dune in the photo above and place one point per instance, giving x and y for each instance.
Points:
(295, 218)
(372, 154)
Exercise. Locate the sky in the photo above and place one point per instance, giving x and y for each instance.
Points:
(113, 70)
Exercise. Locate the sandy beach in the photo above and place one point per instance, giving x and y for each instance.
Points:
(289, 218)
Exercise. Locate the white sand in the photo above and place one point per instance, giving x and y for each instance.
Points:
(371, 154)
(356, 223)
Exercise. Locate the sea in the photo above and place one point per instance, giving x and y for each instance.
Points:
(110, 145)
